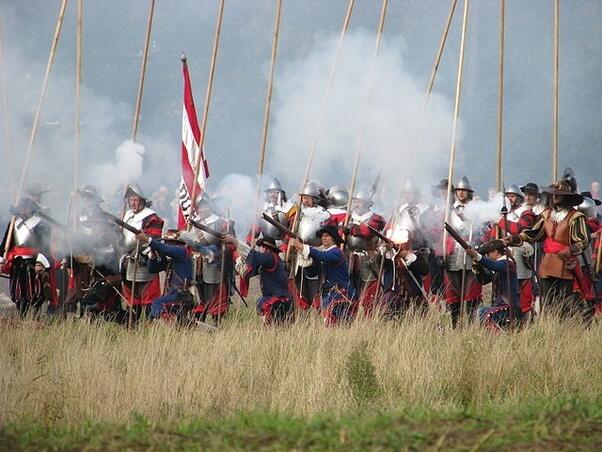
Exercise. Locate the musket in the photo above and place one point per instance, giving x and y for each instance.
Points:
(388, 241)
(207, 229)
(455, 235)
(52, 221)
(121, 223)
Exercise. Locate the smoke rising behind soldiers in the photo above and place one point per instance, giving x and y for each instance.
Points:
(113, 39)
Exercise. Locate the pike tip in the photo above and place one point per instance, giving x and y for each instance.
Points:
(183, 57)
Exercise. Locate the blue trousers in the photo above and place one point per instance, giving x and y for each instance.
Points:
(157, 307)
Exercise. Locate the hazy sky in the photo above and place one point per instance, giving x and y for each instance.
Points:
(113, 35)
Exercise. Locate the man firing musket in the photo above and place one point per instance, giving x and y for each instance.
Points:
(403, 270)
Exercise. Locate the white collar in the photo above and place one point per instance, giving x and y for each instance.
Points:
(361, 218)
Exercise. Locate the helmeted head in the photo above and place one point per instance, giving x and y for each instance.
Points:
(136, 198)
(514, 195)
(89, 196)
(440, 190)
(463, 190)
(24, 209)
(337, 197)
(562, 194)
(329, 235)
(531, 193)
(274, 193)
(361, 202)
(310, 195)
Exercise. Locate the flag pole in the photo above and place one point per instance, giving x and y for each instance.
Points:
(337, 55)
(266, 116)
(7, 134)
(555, 110)
(500, 106)
(360, 144)
(427, 98)
(36, 118)
(78, 81)
(149, 26)
(452, 152)
(197, 162)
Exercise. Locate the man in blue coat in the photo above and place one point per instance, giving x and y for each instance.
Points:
(171, 255)
(492, 265)
(338, 294)
(275, 303)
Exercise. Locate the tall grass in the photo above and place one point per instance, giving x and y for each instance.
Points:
(71, 371)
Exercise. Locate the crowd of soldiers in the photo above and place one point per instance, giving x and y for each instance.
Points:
(327, 253)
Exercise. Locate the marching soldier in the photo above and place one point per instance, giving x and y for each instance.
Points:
(362, 248)
(461, 286)
(140, 287)
(563, 231)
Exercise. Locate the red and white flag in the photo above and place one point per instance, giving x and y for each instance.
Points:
(191, 152)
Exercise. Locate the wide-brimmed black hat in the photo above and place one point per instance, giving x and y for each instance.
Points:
(268, 243)
(331, 231)
(442, 185)
(492, 245)
(530, 188)
(90, 191)
(563, 188)
(588, 194)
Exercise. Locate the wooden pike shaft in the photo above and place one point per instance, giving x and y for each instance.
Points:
(337, 55)
(366, 112)
(7, 140)
(78, 81)
(36, 119)
(500, 105)
(149, 27)
(216, 38)
(599, 257)
(452, 152)
(266, 116)
(556, 91)
(427, 95)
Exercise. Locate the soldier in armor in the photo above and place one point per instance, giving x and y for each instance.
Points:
(461, 286)
(24, 244)
(216, 279)
(589, 257)
(362, 248)
(278, 207)
(531, 196)
(563, 231)
(312, 217)
(520, 217)
(134, 263)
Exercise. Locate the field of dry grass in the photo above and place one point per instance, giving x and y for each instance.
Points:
(70, 372)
